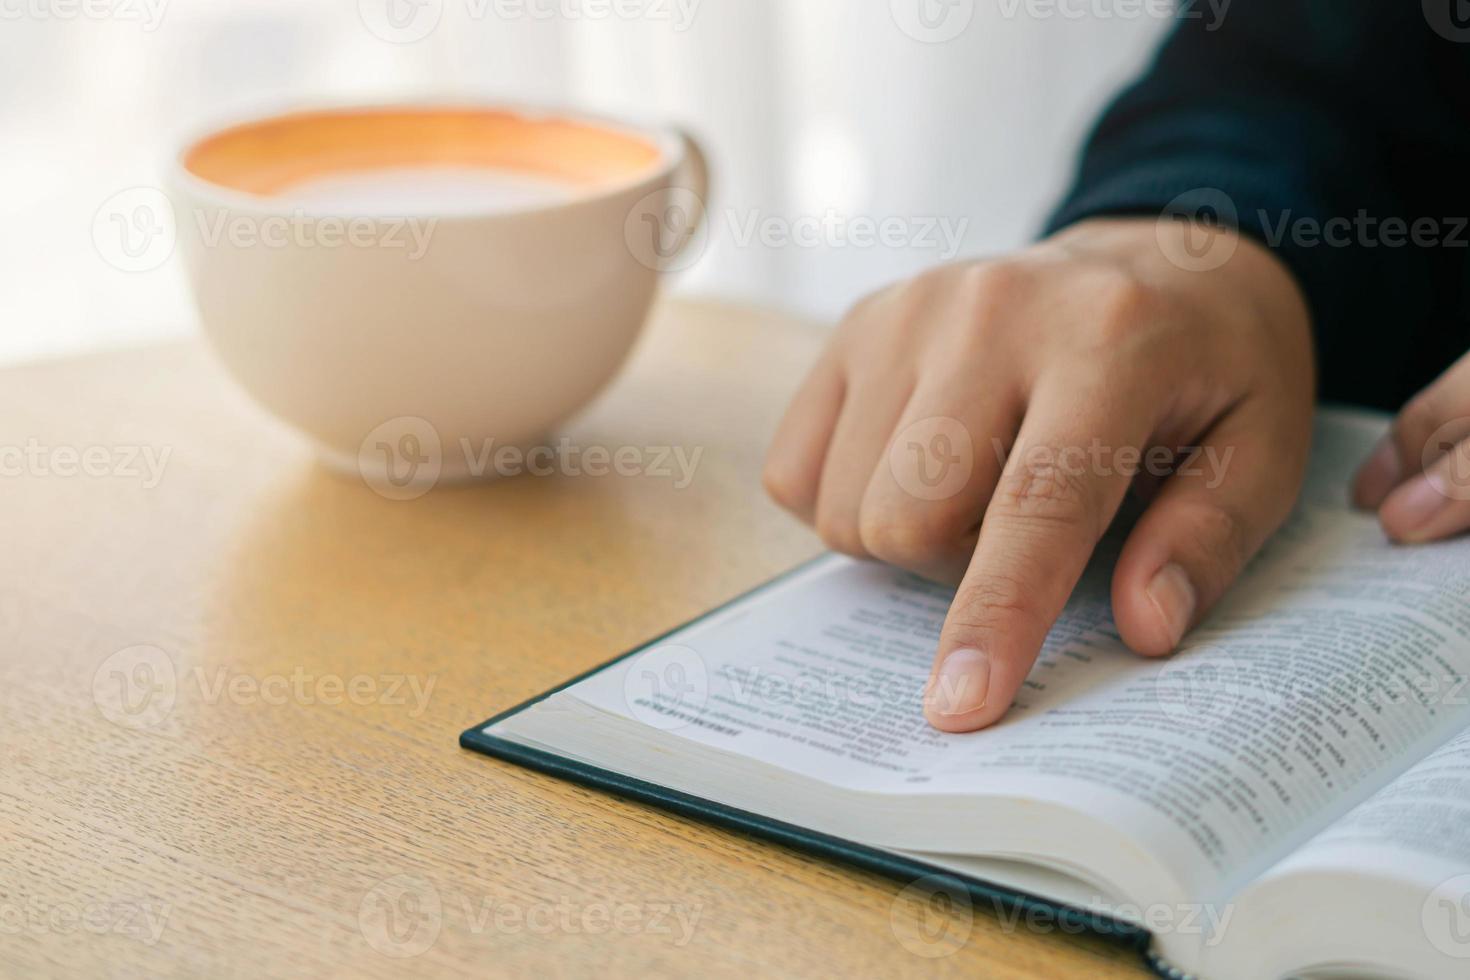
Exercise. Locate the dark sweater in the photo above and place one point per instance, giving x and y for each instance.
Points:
(1340, 133)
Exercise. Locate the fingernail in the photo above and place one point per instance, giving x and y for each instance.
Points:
(1379, 475)
(1173, 595)
(1413, 507)
(961, 684)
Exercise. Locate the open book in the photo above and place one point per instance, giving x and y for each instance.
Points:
(1288, 795)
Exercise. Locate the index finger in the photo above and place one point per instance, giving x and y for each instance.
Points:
(1051, 506)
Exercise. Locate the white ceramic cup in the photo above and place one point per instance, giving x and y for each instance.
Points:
(411, 286)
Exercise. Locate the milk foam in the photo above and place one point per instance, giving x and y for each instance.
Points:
(438, 190)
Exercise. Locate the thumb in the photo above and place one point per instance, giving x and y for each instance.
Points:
(1209, 518)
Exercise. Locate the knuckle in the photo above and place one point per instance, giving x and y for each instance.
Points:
(869, 302)
(867, 314)
(840, 534)
(908, 540)
(880, 328)
(990, 602)
(1421, 416)
(989, 286)
(995, 276)
(909, 296)
(1223, 537)
(1123, 307)
(784, 485)
(1043, 489)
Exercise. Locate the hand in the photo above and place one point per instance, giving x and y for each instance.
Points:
(1072, 360)
(1418, 479)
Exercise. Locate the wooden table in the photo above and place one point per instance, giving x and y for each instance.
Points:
(281, 792)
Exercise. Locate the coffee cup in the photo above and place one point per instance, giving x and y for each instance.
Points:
(412, 285)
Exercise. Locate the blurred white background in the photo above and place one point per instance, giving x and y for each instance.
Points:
(967, 111)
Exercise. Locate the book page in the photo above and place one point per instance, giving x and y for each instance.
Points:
(1416, 827)
(1322, 676)
(1386, 887)
(1337, 665)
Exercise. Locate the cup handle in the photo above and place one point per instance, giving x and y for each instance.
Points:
(693, 176)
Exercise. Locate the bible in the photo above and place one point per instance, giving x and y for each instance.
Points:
(1287, 795)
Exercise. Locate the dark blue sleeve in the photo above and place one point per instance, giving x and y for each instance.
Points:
(1319, 129)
